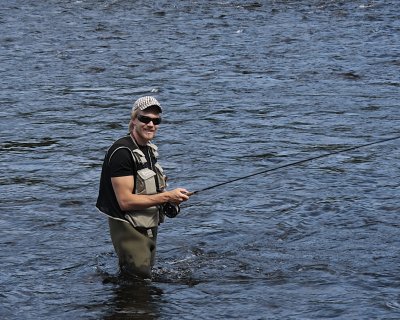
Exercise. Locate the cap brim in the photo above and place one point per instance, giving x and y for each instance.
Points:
(153, 105)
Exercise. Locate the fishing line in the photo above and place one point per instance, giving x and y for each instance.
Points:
(295, 163)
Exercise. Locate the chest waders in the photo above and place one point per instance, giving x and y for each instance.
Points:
(135, 242)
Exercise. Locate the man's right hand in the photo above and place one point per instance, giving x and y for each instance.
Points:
(178, 195)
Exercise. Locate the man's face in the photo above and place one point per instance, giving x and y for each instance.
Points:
(142, 131)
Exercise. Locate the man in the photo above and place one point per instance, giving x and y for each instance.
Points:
(133, 190)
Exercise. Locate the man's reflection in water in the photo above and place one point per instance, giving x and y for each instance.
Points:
(134, 300)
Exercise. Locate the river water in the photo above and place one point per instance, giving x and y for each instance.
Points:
(246, 86)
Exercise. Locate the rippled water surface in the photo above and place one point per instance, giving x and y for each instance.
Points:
(246, 86)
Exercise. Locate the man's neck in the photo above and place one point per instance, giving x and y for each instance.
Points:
(139, 142)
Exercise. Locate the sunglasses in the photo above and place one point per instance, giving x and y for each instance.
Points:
(146, 119)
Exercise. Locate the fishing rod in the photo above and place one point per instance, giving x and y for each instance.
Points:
(295, 163)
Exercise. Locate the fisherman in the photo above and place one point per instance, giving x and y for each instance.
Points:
(133, 191)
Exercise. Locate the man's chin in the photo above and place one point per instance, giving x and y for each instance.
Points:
(150, 136)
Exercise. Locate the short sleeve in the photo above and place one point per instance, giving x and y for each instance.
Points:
(121, 164)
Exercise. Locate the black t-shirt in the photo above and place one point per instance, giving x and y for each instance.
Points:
(121, 164)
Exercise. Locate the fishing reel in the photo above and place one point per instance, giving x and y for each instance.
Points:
(170, 210)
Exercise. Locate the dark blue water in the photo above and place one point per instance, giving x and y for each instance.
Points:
(246, 86)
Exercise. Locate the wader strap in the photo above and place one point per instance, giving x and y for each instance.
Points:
(148, 232)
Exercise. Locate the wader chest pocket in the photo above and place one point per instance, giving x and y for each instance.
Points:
(146, 182)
